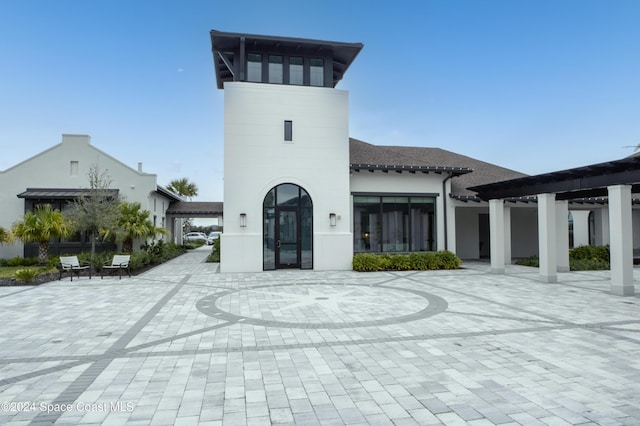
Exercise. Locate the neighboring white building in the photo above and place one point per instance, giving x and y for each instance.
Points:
(59, 174)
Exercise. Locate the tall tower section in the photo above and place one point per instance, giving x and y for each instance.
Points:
(286, 152)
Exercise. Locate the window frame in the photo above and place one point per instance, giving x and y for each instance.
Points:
(288, 130)
(374, 238)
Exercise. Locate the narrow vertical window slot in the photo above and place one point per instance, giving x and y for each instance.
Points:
(288, 130)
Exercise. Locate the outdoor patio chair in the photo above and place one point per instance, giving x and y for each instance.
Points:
(72, 265)
(120, 262)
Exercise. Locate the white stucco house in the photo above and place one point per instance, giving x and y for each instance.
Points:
(60, 174)
(300, 193)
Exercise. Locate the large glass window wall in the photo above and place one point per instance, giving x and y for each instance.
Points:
(394, 224)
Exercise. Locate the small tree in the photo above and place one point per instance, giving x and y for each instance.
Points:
(132, 223)
(40, 226)
(96, 212)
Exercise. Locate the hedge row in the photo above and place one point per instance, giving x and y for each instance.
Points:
(422, 261)
(582, 258)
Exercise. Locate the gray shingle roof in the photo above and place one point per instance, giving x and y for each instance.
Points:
(481, 172)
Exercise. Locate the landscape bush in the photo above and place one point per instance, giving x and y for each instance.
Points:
(26, 275)
(596, 253)
(19, 261)
(533, 261)
(214, 256)
(190, 245)
(582, 258)
(589, 258)
(369, 262)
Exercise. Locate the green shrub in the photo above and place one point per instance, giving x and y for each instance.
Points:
(419, 261)
(369, 262)
(159, 251)
(20, 261)
(399, 262)
(26, 275)
(588, 265)
(533, 261)
(595, 253)
(190, 245)
(215, 252)
(583, 258)
(447, 260)
(366, 262)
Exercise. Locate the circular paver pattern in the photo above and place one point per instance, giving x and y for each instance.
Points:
(321, 305)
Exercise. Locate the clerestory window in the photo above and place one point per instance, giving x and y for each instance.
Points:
(254, 67)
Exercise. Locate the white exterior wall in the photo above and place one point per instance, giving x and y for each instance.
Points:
(523, 226)
(601, 231)
(52, 169)
(580, 227)
(256, 158)
(404, 183)
(468, 230)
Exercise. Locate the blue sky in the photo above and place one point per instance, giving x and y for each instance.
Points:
(535, 86)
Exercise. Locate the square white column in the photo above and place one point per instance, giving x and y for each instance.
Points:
(562, 236)
(547, 238)
(496, 231)
(621, 240)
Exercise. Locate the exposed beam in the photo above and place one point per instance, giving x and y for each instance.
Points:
(578, 186)
(227, 63)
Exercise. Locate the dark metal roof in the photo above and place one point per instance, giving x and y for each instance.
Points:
(195, 209)
(58, 193)
(226, 49)
(578, 183)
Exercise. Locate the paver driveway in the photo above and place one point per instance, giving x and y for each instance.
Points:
(182, 344)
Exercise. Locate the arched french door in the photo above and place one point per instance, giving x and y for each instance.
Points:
(287, 228)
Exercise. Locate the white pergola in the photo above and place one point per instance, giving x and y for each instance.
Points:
(615, 180)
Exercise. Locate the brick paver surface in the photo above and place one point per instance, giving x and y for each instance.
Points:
(184, 344)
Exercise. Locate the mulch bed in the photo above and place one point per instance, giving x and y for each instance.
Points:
(40, 279)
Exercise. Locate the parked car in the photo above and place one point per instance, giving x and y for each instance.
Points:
(195, 236)
(212, 237)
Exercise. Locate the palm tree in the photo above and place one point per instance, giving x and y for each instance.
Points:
(183, 187)
(40, 226)
(133, 223)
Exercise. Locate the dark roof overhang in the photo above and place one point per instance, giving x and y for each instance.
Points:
(453, 171)
(227, 48)
(577, 183)
(165, 192)
(59, 193)
(195, 209)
